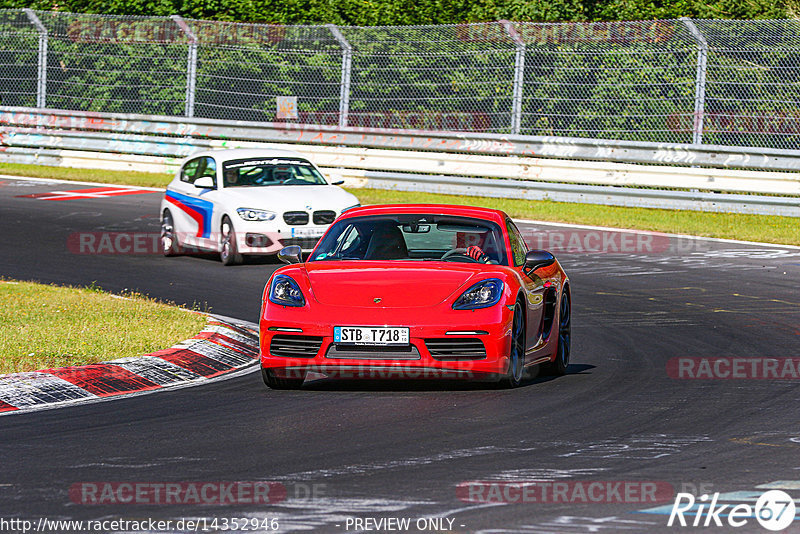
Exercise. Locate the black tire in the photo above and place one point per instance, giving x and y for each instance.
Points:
(559, 366)
(227, 250)
(170, 246)
(516, 357)
(274, 382)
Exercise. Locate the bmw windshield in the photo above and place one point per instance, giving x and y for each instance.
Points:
(261, 172)
(413, 237)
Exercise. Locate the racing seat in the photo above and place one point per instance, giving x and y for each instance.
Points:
(387, 243)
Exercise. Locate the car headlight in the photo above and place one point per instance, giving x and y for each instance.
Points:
(285, 292)
(351, 207)
(484, 294)
(249, 214)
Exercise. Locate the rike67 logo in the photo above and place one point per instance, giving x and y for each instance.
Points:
(773, 510)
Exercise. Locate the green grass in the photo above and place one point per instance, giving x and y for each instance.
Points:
(766, 228)
(46, 326)
(138, 179)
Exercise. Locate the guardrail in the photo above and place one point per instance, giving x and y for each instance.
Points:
(453, 160)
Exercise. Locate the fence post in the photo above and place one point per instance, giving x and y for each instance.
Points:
(41, 84)
(191, 64)
(519, 76)
(347, 64)
(700, 81)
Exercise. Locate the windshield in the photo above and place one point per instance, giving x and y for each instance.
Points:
(256, 172)
(413, 237)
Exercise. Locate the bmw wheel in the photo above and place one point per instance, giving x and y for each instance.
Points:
(169, 240)
(227, 251)
(516, 356)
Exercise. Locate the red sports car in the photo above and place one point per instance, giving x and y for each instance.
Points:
(416, 291)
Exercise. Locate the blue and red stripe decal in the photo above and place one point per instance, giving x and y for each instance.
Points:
(198, 209)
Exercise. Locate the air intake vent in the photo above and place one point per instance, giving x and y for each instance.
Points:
(364, 352)
(295, 218)
(324, 217)
(456, 349)
(295, 346)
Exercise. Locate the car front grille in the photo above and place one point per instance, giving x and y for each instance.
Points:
(295, 346)
(324, 217)
(295, 218)
(449, 349)
(372, 352)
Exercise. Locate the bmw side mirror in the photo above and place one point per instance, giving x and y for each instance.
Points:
(536, 259)
(290, 254)
(204, 182)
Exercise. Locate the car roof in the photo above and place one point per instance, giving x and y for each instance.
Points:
(497, 216)
(246, 153)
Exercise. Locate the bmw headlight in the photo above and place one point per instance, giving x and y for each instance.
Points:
(484, 294)
(285, 292)
(249, 214)
(351, 207)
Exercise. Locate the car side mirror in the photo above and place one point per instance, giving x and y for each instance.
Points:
(536, 259)
(204, 182)
(290, 254)
(337, 182)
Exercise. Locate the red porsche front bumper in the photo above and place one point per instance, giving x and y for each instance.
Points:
(444, 343)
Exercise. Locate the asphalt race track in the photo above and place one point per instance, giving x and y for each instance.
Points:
(374, 450)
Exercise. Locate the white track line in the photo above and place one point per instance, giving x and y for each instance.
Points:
(681, 236)
(57, 181)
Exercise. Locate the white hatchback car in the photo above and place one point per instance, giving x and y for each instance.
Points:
(248, 201)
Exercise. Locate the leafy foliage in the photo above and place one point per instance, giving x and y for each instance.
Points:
(405, 12)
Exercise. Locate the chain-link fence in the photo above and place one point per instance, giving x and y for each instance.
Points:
(19, 57)
(686, 81)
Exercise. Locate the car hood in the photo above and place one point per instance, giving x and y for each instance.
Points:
(397, 284)
(281, 198)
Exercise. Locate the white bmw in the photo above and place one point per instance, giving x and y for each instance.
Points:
(248, 201)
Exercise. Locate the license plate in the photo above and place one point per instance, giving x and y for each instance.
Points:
(307, 232)
(370, 335)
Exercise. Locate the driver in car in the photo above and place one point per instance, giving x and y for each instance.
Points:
(282, 175)
(231, 176)
(476, 253)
